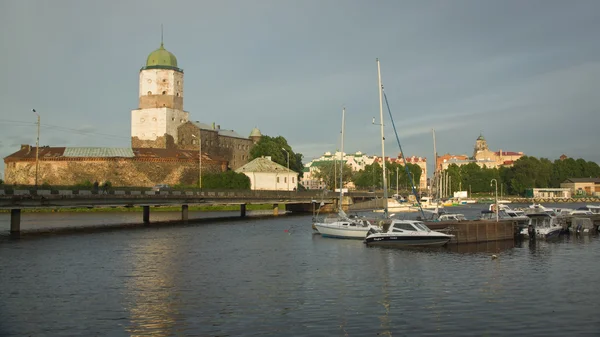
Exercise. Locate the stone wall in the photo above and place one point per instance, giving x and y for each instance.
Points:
(119, 171)
(164, 142)
(235, 150)
(161, 101)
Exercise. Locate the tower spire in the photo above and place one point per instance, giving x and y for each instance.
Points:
(161, 35)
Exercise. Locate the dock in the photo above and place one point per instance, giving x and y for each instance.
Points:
(475, 231)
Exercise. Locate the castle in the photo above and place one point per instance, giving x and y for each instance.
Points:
(166, 147)
(482, 156)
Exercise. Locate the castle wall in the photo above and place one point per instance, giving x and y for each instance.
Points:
(235, 150)
(119, 171)
(152, 123)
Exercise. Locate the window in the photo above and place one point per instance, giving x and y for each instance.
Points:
(173, 119)
(177, 94)
(404, 226)
(164, 92)
(164, 80)
(154, 119)
(142, 120)
(293, 180)
(277, 179)
(149, 92)
(285, 179)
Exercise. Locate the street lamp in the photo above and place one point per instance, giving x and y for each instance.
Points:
(199, 159)
(37, 149)
(288, 167)
(496, 197)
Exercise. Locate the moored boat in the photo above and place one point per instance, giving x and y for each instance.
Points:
(406, 234)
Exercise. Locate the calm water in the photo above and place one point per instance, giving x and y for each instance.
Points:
(274, 277)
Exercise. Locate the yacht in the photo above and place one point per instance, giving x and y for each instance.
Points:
(406, 233)
(543, 225)
(343, 226)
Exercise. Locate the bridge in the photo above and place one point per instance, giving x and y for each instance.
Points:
(295, 201)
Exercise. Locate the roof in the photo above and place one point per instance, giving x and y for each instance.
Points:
(161, 58)
(91, 152)
(263, 164)
(509, 153)
(220, 132)
(582, 180)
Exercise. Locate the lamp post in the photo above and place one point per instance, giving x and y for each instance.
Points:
(199, 159)
(288, 169)
(496, 197)
(37, 149)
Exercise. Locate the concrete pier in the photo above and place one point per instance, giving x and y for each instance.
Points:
(15, 221)
(146, 211)
(472, 231)
(243, 210)
(184, 213)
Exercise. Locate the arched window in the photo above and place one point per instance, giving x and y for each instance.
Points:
(149, 92)
(164, 92)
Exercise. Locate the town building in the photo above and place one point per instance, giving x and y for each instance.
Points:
(582, 186)
(482, 157)
(265, 174)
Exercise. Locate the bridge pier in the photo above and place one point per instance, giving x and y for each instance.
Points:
(146, 215)
(184, 213)
(275, 209)
(15, 221)
(242, 210)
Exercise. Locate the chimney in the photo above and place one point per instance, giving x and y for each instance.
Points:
(268, 157)
(26, 147)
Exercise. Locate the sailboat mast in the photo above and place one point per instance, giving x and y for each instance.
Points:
(435, 166)
(385, 192)
(342, 158)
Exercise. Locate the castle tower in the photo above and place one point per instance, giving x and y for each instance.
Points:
(160, 110)
(255, 135)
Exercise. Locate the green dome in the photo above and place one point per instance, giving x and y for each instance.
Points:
(255, 133)
(161, 58)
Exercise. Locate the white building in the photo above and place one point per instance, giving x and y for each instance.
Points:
(267, 175)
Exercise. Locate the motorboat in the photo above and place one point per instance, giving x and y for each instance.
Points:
(542, 225)
(406, 233)
(428, 203)
(398, 207)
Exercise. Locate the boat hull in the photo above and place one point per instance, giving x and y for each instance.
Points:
(335, 231)
(404, 241)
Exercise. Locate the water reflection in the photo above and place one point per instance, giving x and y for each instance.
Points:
(152, 304)
(492, 247)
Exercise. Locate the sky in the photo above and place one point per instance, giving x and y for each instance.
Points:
(525, 74)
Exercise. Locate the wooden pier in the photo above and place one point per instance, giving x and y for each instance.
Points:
(474, 231)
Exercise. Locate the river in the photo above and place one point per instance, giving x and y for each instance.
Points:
(273, 276)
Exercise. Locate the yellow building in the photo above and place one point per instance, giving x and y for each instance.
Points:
(582, 186)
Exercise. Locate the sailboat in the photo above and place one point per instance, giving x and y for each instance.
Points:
(400, 233)
(342, 226)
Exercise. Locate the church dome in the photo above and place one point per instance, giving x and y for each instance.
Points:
(161, 58)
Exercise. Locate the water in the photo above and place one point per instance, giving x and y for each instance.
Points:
(274, 277)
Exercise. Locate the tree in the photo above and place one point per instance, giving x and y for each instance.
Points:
(272, 146)
(329, 173)
(226, 180)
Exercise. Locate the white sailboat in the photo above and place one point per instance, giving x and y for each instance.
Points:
(342, 226)
(400, 233)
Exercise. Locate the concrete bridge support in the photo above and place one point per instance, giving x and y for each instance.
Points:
(275, 209)
(243, 210)
(184, 213)
(15, 221)
(146, 214)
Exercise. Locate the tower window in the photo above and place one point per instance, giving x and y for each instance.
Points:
(177, 94)
(154, 119)
(173, 119)
(164, 80)
(149, 92)
(178, 82)
(164, 92)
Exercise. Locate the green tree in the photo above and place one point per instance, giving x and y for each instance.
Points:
(273, 147)
(226, 180)
(329, 173)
